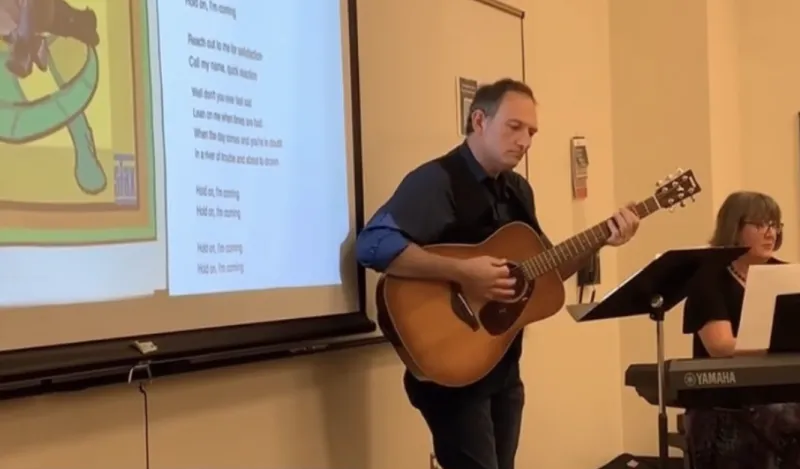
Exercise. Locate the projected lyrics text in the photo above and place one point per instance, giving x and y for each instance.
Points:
(219, 256)
(209, 54)
(238, 139)
(224, 114)
(211, 6)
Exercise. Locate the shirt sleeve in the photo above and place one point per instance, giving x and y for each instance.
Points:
(704, 302)
(418, 212)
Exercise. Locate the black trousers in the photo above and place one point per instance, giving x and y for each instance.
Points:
(472, 428)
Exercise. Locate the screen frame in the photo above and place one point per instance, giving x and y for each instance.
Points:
(32, 371)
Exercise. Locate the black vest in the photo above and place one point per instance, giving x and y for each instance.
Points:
(475, 221)
(474, 215)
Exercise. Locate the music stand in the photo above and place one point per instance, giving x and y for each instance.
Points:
(785, 324)
(654, 290)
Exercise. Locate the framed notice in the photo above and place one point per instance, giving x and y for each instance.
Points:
(466, 89)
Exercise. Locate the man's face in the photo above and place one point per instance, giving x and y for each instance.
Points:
(507, 135)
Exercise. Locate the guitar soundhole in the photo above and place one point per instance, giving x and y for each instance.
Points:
(498, 317)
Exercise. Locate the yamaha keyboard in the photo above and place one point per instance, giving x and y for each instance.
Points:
(720, 382)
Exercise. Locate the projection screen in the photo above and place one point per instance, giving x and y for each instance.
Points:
(170, 165)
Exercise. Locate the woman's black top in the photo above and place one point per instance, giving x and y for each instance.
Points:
(714, 295)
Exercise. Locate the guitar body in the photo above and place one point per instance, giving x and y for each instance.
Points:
(446, 337)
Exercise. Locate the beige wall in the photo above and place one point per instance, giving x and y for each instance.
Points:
(652, 85)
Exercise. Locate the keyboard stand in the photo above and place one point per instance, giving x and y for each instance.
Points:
(657, 314)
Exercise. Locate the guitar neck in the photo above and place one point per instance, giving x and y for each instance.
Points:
(582, 244)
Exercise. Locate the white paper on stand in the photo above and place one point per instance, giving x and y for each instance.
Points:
(764, 284)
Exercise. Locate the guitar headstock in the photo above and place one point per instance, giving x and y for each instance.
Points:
(676, 189)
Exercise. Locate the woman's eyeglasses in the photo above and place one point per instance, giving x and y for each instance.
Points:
(765, 225)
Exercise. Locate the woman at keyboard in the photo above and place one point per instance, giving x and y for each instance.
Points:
(765, 437)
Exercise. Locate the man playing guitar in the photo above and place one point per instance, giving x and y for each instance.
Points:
(476, 426)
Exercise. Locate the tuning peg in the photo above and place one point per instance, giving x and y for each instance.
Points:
(679, 171)
(659, 183)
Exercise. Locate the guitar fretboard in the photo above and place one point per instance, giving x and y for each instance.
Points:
(579, 245)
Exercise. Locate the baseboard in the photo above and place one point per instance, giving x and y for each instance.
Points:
(630, 461)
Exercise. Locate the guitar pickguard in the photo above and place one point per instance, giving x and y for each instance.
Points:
(461, 308)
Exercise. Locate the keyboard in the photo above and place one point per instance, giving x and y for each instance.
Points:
(720, 382)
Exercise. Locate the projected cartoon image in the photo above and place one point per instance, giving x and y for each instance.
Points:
(75, 152)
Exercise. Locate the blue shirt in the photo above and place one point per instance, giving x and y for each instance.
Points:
(422, 208)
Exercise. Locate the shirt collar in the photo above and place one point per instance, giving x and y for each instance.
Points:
(475, 168)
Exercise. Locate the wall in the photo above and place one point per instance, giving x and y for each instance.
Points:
(769, 103)
(572, 379)
(704, 85)
(660, 119)
(662, 77)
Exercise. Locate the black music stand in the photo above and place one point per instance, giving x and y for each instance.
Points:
(654, 290)
(785, 324)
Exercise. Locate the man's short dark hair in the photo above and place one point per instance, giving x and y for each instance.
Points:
(488, 97)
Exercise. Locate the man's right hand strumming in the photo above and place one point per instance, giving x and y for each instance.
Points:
(487, 277)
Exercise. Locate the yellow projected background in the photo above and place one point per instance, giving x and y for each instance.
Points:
(42, 164)
(76, 153)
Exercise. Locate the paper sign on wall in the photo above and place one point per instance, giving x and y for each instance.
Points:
(579, 159)
(466, 88)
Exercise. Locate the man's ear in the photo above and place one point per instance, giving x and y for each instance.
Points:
(478, 120)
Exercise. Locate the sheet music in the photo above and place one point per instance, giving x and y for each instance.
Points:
(764, 284)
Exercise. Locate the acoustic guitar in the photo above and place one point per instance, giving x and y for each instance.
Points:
(446, 336)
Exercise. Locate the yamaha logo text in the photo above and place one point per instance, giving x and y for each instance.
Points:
(710, 378)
